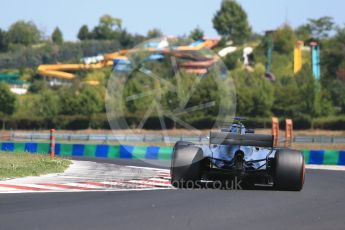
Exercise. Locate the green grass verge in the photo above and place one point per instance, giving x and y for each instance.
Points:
(15, 165)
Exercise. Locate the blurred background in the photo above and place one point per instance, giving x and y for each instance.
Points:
(286, 60)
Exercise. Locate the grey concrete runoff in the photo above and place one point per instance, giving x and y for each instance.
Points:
(320, 205)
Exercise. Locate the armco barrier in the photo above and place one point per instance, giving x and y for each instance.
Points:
(318, 157)
(102, 151)
(324, 157)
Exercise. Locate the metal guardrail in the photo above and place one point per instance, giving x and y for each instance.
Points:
(319, 139)
(30, 136)
(105, 138)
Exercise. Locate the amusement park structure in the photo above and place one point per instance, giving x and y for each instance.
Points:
(66, 72)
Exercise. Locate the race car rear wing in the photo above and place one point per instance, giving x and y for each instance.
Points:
(257, 140)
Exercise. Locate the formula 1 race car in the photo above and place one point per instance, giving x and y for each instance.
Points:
(237, 153)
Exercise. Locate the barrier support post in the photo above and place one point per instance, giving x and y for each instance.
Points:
(288, 132)
(52, 144)
(275, 130)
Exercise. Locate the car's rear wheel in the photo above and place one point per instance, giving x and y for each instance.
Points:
(186, 166)
(289, 170)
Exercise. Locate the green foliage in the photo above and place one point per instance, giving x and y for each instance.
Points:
(334, 55)
(301, 97)
(84, 33)
(196, 34)
(154, 33)
(107, 29)
(46, 104)
(4, 43)
(321, 27)
(254, 94)
(57, 36)
(7, 100)
(333, 63)
(128, 40)
(91, 101)
(307, 92)
(69, 99)
(110, 22)
(233, 60)
(25, 33)
(330, 123)
(231, 21)
(98, 75)
(286, 98)
(86, 100)
(49, 53)
(80, 106)
(337, 92)
(304, 32)
(318, 29)
(37, 86)
(284, 40)
(15, 165)
(282, 65)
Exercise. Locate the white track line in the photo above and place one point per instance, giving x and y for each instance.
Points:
(154, 169)
(80, 191)
(326, 167)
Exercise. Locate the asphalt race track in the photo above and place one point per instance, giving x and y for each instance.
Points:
(321, 205)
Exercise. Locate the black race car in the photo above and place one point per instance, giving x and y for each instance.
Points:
(237, 154)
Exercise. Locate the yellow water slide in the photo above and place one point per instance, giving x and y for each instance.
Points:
(63, 71)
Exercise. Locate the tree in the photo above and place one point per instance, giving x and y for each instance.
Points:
(307, 91)
(46, 104)
(38, 86)
(7, 100)
(333, 66)
(336, 88)
(25, 33)
(69, 99)
(57, 36)
(91, 101)
(196, 34)
(334, 56)
(154, 33)
(3, 41)
(304, 32)
(110, 22)
(321, 27)
(256, 95)
(284, 40)
(84, 33)
(231, 21)
(126, 39)
(231, 60)
(286, 98)
(85, 101)
(108, 28)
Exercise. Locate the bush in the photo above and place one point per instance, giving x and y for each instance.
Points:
(100, 121)
(330, 123)
(49, 53)
(259, 123)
